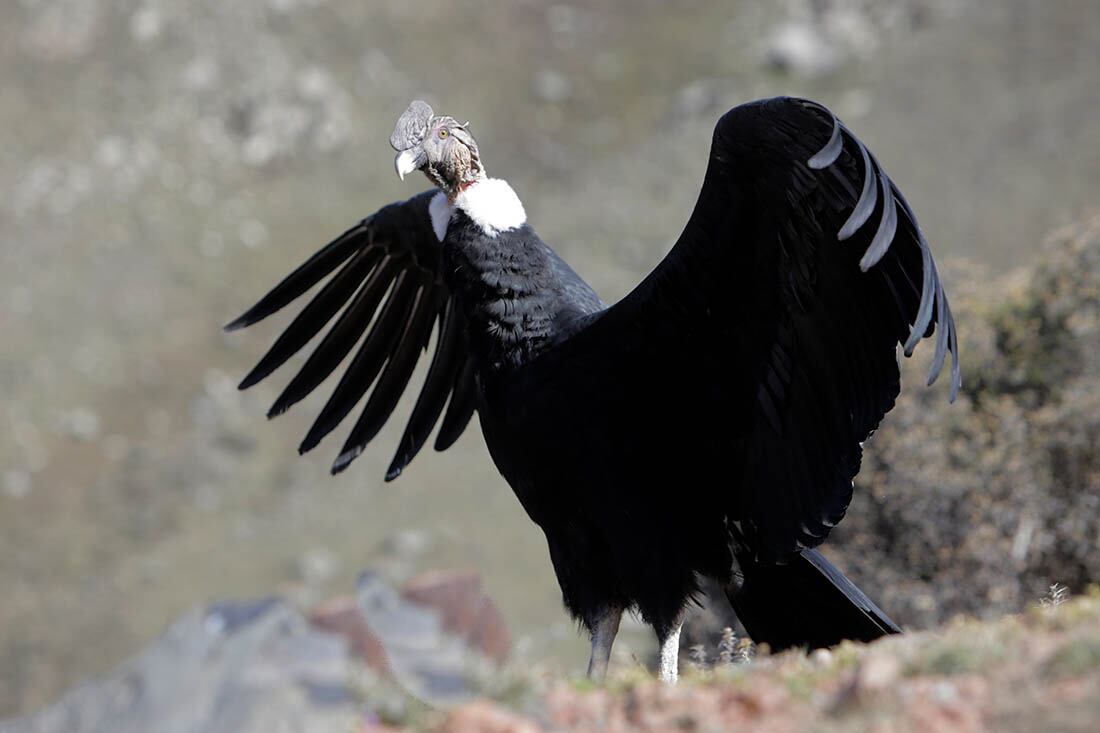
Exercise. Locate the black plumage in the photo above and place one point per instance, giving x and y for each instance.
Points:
(709, 423)
(392, 259)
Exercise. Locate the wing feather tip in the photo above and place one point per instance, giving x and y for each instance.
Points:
(344, 459)
(237, 323)
(873, 256)
(443, 442)
(887, 227)
(253, 378)
(830, 152)
(308, 443)
(937, 367)
(868, 198)
(956, 375)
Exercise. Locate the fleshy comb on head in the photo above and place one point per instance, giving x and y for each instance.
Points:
(412, 126)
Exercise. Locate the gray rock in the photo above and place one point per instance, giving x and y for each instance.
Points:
(260, 666)
(427, 661)
(234, 668)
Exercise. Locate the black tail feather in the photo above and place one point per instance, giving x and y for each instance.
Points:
(806, 603)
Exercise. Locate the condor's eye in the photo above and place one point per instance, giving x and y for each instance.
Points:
(443, 134)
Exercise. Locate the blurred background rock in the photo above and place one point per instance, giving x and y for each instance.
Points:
(164, 161)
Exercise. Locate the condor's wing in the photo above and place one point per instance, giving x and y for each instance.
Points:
(384, 298)
(762, 351)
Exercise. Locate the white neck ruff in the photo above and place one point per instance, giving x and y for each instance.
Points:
(492, 205)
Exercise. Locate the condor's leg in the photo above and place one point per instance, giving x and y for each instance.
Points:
(668, 667)
(603, 628)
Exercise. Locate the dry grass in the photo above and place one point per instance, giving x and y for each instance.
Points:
(1039, 670)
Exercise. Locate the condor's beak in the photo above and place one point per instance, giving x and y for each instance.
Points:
(409, 160)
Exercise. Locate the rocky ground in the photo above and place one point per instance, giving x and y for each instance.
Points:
(387, 661)
(164, 161)
(1037, 671)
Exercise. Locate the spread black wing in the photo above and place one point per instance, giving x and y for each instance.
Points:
(774, 322)
(388, 285)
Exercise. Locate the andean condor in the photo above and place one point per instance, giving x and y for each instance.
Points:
(710, 423)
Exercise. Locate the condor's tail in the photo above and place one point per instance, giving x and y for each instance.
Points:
(806, 603)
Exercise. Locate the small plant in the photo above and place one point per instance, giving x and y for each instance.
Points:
(745, 651)
(698, 655)
(1055, 596)
(727, 647)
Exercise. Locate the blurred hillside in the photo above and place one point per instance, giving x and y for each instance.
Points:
(164, 161)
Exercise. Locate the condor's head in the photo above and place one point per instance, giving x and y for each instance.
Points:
(439, 146)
